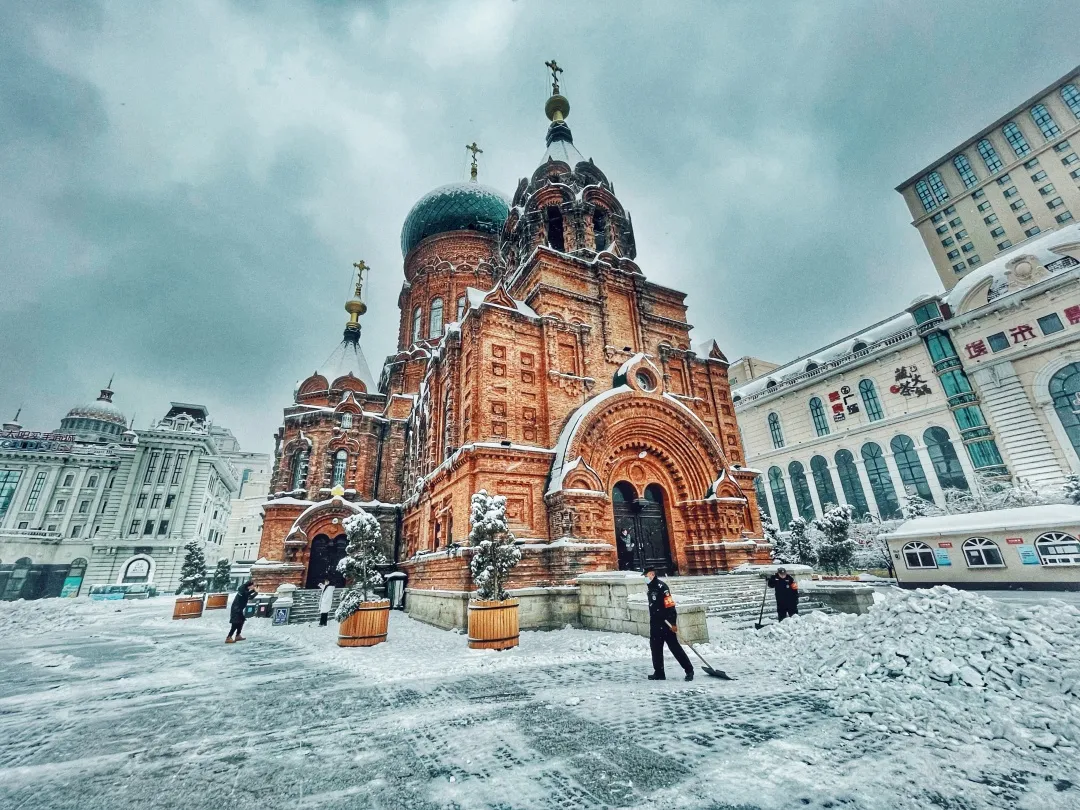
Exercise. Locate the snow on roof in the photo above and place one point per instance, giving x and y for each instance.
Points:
(1048, 516)
(476, 300)
(558, 466)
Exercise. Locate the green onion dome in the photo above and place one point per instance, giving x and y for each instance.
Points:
(466, 206)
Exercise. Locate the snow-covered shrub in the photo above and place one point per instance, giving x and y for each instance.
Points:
(495, 555)
(915, 507)
(1070, 490)
(219, 582)
(359, 565)
(193, 571)
(872, 545)
(800, 543)
(835, 548)
(771, 534)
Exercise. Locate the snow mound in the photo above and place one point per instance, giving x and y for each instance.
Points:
(28, 618)
(946, 664)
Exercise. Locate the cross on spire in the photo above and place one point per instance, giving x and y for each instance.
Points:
(553, 66)
(360, 266)
(476, 150)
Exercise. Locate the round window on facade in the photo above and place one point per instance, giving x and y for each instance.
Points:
(645, 380)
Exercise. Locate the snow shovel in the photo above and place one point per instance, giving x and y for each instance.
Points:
(705, 665)
(761, 612)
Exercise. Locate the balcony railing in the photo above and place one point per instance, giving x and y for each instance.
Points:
(16, 535)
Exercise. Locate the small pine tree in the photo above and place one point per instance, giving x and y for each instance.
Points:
(800, 545)
(772, 535)
(836, 549)
(359, 565)
(495, 555)
(193, 571)
(219, 582)
(1071, 489)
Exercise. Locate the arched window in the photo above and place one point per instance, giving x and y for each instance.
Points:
(919, 555)
(946, 464)
(870, 400)
(963, 168)
(817, 413)
(300, 468)
(1044, 121)
(982, 553)
(779, 496)
(17, 579)
(990, 156)
(555, 228)
(850, 483)
(416, 324)
(460, 308)
(346, 420)
(600, 231)
(858, 346)
(341, 459)
(435, 319)
(1065, 393)
(763, 502)
(1058, 548)
(803, 502)
(911, 471)
(623, 493)
(1016, 139)
(1071, 96)
(938, 187)
(880, 481)
(925, 197)
(826, 492)
(775, 431)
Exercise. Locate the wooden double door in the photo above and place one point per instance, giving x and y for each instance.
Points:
(326, 552)
(641, 529)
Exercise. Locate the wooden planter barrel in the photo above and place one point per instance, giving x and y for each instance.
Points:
(216, 601)
(188, 607)
(366, 627)
(493, 625)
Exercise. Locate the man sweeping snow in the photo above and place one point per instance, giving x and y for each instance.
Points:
(787, 594)
(663, 629)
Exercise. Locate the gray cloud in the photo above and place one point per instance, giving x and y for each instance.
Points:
(184, 187)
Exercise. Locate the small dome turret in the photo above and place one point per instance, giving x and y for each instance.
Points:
(97, 421)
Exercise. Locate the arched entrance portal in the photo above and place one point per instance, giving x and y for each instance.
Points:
(641, 529)
(325, 555)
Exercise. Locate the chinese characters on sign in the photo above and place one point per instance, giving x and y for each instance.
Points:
(843, 403)
(1018, 334)
(909, 383)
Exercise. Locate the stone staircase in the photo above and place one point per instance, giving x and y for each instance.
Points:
(735, 598)
(306, 605)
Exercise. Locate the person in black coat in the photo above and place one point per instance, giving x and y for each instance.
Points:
(244, 594)
(663, 628)
(787, 594)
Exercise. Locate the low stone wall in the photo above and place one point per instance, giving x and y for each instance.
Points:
(538, 608)
(616, 601)
(445, 609)
(841, 596)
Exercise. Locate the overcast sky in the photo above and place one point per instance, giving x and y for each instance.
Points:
(184, 185)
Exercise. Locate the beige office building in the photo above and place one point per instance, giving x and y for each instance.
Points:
(1011, 181)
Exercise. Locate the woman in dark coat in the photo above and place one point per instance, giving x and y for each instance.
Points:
(244, 594)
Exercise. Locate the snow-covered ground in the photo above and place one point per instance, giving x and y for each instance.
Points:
(114, 705)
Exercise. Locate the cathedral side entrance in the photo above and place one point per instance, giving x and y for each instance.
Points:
(326, 553)
(641, 529)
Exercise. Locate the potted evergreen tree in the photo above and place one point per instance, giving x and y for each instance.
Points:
(362, 618)
(493, 615)
(218, 597)
(192, 581)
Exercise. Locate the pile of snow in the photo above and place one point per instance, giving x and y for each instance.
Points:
(36, 616)
(944, 664)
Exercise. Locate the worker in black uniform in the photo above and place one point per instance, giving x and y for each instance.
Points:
(787, 594)
(663, 628)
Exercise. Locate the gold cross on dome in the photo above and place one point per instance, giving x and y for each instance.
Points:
(553, 66)
(360, 266)
(476, 150)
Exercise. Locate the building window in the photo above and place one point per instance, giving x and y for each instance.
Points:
(151, 466)
(759, 490)
(779, 495)
(1004, 245)
(1019, 205)
(1069, 159)
(982, 553)
(1062, 147)
(942, 229)
(956, 223)
(948, 242)
(416, 324)
(341, 459)
(819, 468)
(967, 248)
(1041, 116)
(937, 186)
(880, 481)
(961, 234)
(1024, 219)
(1009, 192)
(850, 483)
(954, 254)
(178, 470)
(870, 400)
(156, 501)
(134, 528)
(1038, 177)
(989, 156)
(997, 232)
(555, 229)
(985, 206)
(959, 268)
(963, 168)
(170, 501)
(1064, 217)
(925, 197)
(346, 420)
(35, 491)
(943, 456)
(1058, 548)
(1016, 139)
(148, 527)
(911, 471)
(90, 484)
(1030, 232)
(76, 531)
(58, 506)
(990, 220)
(1064, 387)
(919, 555)
(300, 468)
(1047, 190)
(1050, 323)
(435, 319)
(9, 481)
(1031, 164)
(973, 261)
(1055, 203)
(600, 231)
(803, 502)
(817, 413)
(84, 506)
(163, 527)
(460, 308)
(1071, 96)
(936, 218)
(775, 431)
(949, 211)
(141, 501)
(1003, 180)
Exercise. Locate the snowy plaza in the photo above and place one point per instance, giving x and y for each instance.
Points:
(114, 705)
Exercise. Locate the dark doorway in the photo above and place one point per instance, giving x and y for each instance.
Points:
(646, 540)
(325, 555)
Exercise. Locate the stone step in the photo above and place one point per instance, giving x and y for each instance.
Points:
(736, 598)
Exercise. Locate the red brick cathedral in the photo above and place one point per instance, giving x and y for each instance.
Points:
(536, 361)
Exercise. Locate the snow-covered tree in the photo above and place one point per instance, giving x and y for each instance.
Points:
(916, 507)
(1071, 489)
(193, 571)
(800, 543)
(771, 534)
(359, 565)
(495, 555)
(988, 493)
(219, 582)
(835, 547)
(871, 544)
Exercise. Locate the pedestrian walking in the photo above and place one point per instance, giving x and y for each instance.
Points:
(663, 628)
(244, 594)
(787, 594)
(326, 601)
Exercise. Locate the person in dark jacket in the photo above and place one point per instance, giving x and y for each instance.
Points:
(663, 628)
(244, 594)
(787, 594)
